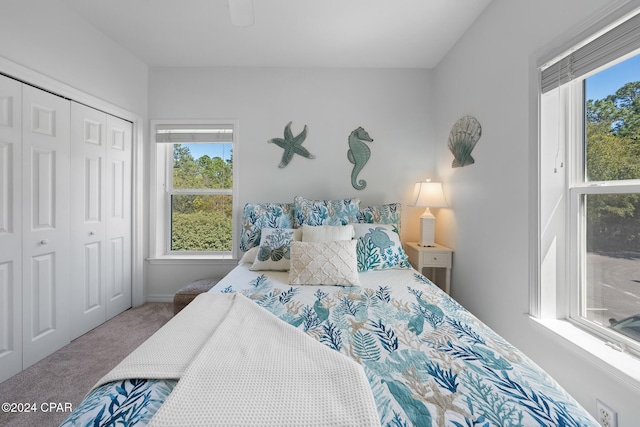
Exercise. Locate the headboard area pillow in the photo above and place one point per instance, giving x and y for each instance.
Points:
(327, 233)
(381, 214)
(256, 216)
(302, 211)
(379, 247)
(324, 263)
(325, 212)
(275, 249)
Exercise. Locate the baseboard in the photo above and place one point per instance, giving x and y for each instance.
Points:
(159, 298)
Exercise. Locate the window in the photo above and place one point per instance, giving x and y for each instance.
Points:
(194, 188)
(589, 187)
(605, 200)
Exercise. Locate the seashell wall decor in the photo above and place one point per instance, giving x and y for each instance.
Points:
(464, 135)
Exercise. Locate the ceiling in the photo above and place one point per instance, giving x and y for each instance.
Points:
(286, 33)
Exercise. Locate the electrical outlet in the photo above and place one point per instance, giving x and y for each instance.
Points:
(607, 417)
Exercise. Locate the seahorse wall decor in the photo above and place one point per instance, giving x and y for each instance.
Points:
(358, 154)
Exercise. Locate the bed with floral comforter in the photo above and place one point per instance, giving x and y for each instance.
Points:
(429, 361)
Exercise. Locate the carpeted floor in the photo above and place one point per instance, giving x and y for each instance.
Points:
(67, 375)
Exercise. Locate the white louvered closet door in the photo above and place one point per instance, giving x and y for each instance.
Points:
(45, 223)
(10, 227)
(101, 217)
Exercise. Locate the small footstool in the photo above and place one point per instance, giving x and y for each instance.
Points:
(188, 293)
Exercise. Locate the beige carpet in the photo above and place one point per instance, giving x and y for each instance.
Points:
(68, 374)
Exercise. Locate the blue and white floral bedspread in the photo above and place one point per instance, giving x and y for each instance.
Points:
(429, 361)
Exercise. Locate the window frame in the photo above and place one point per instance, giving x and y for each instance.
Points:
(161, 161)
(549, 223)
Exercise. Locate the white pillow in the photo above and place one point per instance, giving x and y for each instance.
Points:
(275, 247)
(327, 233)
(250, 256)
(324, 263)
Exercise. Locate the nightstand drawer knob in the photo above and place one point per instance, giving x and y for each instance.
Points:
(436, 260)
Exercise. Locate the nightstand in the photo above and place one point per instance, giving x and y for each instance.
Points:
(432, 257)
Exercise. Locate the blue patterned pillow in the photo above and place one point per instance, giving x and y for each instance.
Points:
(257, 216)
(379, 247)
(325, 212)
(382, 214)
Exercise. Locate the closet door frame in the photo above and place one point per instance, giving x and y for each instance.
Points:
(138, 196)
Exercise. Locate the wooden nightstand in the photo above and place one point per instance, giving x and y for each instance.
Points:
(434, 257)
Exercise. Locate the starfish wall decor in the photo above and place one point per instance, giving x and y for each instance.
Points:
(291, 145)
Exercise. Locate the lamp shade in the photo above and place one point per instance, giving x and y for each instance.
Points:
(427, 194)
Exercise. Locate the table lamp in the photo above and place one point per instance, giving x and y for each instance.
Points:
(427, 194)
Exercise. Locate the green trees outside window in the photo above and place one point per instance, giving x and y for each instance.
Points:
(201, 200)
(613, 154)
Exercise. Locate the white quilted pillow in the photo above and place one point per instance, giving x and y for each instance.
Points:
(326, 233)
(324, 263)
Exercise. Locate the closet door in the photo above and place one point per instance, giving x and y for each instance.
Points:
(118, 214)
(10, 228)
(46, 225)
(101, 217)
(88, 252)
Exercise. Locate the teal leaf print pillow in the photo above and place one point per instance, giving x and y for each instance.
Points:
(274, 252)
(382, 214)
(379, 247)
(325, 212)
(256, 216)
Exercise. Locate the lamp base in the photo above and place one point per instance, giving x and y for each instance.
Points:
(427, 229)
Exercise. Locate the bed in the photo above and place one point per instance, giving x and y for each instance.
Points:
(424, 359)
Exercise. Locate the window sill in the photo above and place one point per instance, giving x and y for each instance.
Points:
(194, 260)
(619, 364)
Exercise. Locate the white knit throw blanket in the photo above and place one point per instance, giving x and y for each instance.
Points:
(254, 370)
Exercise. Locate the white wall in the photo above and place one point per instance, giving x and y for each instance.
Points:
(394, 106)
(488, 75)
(45, 36)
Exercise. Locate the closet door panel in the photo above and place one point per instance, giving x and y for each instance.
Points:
(88, 251)
(10, 228)
(46, 226)
(118, 196)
